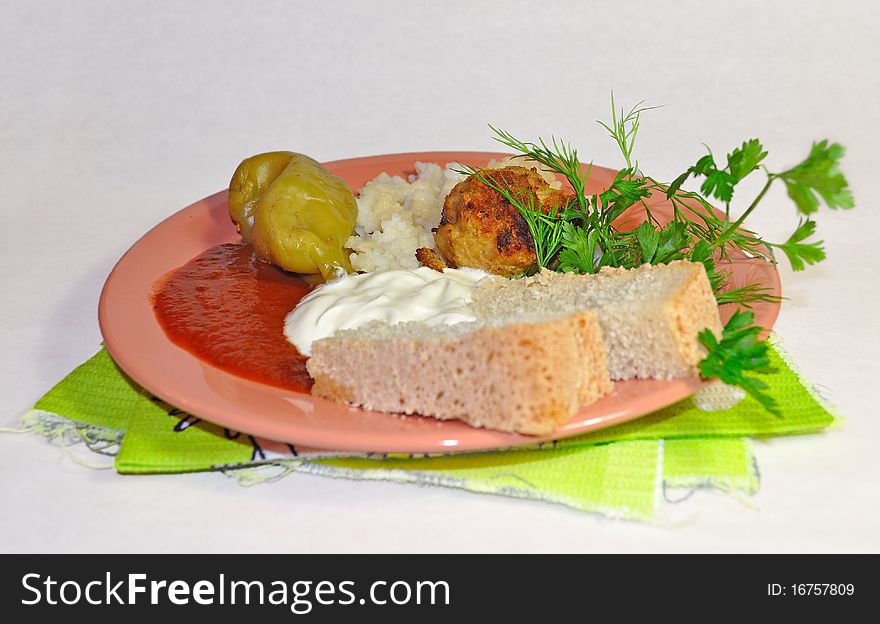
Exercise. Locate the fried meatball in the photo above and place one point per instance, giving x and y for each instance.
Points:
(479, 228)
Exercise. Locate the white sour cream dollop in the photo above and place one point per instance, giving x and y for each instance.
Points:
(393, 296)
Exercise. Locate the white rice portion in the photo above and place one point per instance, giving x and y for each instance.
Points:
(397, 216)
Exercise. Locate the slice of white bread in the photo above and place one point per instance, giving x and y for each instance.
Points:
(650, 316)
(527, 375)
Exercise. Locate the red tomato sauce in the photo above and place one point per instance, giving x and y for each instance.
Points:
(227, 308)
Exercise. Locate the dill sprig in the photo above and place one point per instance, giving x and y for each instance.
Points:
(624, 128)
(557, 157)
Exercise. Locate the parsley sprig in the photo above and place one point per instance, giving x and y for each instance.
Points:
(737, 352)
(583, 236)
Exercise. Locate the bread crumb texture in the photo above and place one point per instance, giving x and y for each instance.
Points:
(528, 377)
(650, 316)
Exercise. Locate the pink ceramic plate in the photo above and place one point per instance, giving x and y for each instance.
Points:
(138, 344)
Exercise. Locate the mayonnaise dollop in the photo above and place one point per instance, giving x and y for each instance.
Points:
(393, 296)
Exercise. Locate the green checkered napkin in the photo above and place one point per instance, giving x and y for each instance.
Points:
(622, 471)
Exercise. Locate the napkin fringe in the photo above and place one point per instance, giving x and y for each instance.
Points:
(249, 475)
(67, 433)
(57, 428)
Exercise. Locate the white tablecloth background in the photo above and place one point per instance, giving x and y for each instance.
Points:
(113, 115)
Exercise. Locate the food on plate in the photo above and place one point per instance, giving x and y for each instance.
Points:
(398, 296)
(296, 213)
(397, 215)
(642, 323)
(527, 376)
(480, 228)
(595, 229)
(429, 258)
(603, 286)
(227, 307)
(249, 182)
(650, 316)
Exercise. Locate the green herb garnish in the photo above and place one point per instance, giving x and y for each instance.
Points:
(739, 351)
(582, 237)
